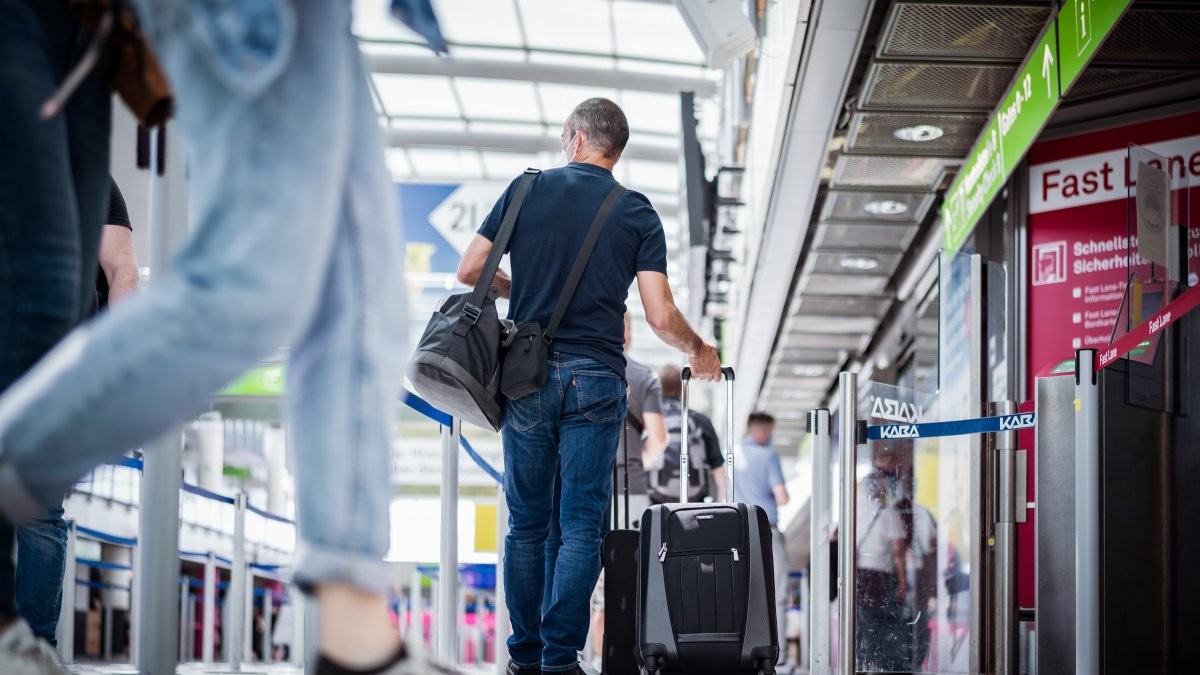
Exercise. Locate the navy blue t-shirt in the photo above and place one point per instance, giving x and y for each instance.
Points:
(550, 230)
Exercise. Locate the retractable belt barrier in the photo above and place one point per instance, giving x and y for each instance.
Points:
(425, 408)
(1189, 300)
(979, 425)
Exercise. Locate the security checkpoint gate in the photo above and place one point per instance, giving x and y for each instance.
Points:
(903, 535)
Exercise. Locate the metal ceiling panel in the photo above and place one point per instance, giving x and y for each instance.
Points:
(1097, 81)
(922, 173)
(877, 132)
(936, 85)
(841, 284)
(961, 31)
(841, 342)
(864, 236)
(794, 352)
(845, 306)
(868, 207)
(815, 323)
(853, 263)
(1161, 35)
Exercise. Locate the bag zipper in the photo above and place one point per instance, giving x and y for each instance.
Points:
(662, 553)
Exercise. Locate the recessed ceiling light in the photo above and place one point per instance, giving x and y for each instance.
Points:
(885, 207)
(808, 370)
(856, 262)
(919, 133)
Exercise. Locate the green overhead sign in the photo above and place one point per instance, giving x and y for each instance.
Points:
(1082, 27)
(1068, 44)
(262, 381)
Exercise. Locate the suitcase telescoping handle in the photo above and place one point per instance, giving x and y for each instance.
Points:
(684, 477)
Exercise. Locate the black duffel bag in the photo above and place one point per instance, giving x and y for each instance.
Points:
(457, 364)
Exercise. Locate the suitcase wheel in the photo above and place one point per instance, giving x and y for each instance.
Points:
(652, 665)
(765, 666)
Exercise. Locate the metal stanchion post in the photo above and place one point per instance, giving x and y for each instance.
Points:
(248, 619)
(235, 597)
(162, 471)
(819, 521)
(847, 538)
(1004, 617)
(296, 652)
(209, 621)
(191, 634)
(108, 630)
(1087, 513)
(448, 567)
(268, 606)
(503, 629)
(66, 614)
(184, 619)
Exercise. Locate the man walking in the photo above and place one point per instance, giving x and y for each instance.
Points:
(560, 442)
(760, 482)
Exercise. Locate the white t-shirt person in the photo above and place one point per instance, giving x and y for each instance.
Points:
(879, 530)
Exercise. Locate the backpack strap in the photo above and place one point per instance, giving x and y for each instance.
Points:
(483, 284)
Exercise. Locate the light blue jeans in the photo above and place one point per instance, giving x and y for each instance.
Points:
(295, 243)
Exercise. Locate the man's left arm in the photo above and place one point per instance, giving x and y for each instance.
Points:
(118, 261)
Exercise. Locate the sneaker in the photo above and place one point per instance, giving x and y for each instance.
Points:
(512, 669)
(406, 664)
(22, 653)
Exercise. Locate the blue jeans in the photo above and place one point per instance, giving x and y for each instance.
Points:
(41, 561)
(295, 242)
(559, 447)
(54, 188)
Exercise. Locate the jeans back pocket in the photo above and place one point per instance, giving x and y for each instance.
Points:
(601, 395)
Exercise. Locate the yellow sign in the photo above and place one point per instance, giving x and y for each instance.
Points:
(485, 528)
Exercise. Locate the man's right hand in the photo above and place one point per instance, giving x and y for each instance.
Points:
(705, 363)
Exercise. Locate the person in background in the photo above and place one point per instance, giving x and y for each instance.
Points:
(884, 640)
(42, 543)
(704, 443)
(759, 476)
(294, 242)
(560, 442)
(645, 432)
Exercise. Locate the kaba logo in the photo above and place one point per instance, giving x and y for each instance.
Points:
(897, 411)
(899, 431)
(1021, 421)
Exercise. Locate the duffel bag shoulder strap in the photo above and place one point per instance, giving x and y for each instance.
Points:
(499, 248)
(581, 261)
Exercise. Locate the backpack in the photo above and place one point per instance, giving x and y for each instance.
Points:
(664, 482)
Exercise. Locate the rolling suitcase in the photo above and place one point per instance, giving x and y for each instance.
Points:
(706, 594)
(620, 589)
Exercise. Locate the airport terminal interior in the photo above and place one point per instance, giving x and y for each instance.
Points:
(947, 245)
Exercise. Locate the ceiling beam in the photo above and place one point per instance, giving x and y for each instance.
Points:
(524, 143)
(520, 71)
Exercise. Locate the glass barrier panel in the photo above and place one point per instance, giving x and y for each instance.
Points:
(912, 533)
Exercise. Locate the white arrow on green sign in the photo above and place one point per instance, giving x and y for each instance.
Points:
(1074, 36)
(1023, 111)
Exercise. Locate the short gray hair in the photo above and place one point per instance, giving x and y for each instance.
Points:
(604, 123)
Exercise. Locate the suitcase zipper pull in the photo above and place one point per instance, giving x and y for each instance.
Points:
(662, 553)
(736, 558)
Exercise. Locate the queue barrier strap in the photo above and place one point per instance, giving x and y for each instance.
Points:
(967, 427)
(268, 515)
(207, 494)
(105, 537)
(423, 407)
(102, 565)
